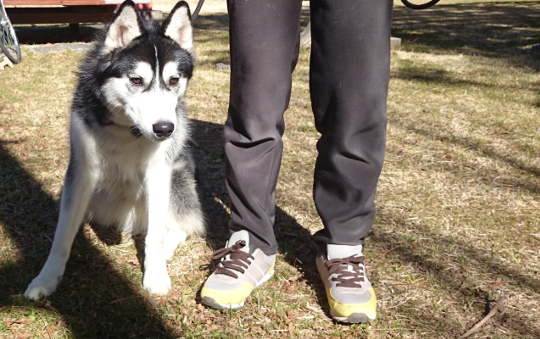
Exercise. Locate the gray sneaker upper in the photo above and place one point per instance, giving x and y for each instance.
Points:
(236, 265)
(343, 271)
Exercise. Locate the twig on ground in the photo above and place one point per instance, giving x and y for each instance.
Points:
(418, 283)
(481, 323)
(383, 254)
(397, 292)
(122, 299)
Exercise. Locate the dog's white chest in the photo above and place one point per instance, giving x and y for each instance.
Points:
(124, 161)
(122, 169)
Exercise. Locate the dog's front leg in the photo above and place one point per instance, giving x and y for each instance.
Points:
(80, 181)
(156, 279)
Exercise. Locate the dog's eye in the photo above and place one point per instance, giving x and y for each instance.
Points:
(136, 81)
(174, 80)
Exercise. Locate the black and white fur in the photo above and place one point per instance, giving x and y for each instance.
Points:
(130, 167)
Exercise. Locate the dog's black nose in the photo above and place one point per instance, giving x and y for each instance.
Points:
(163, 129)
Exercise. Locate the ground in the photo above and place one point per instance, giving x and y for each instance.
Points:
(458, 225)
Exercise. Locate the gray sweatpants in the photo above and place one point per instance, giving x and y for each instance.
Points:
(349, 74)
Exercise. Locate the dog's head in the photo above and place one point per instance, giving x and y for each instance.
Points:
(147, 66)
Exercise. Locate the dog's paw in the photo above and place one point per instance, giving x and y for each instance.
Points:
(38, 289)
(155, 282)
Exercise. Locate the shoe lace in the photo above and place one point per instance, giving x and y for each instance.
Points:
(237, 259)
(349, 272)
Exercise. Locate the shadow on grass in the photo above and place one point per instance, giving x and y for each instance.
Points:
(51, 34)
(484, 149)
(434, 75)
(453, 279)
(94, 299)
(60, 33)
(491, 29)
(220, 21)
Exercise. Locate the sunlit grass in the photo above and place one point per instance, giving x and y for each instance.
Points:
(458, 199)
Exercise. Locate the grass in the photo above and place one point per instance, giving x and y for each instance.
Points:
(459, 197)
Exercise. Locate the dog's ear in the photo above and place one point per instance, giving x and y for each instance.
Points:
(125, 26)
(178, 26)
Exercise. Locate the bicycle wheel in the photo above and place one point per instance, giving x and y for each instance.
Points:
(417, 4)
(8, 40)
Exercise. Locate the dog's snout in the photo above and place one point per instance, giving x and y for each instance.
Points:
(163, 129)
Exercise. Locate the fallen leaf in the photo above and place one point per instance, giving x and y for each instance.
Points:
(50, 331)
(290, 327)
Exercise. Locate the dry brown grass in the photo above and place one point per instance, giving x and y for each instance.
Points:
(459, 197)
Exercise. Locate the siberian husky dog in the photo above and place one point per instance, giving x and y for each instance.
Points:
(130, 166)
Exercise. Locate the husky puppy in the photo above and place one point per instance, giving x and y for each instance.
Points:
(130, 167)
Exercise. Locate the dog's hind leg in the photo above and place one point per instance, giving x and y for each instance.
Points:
(79, 184)
(185, 208)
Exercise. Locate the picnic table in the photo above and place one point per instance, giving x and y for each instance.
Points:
(72, 12)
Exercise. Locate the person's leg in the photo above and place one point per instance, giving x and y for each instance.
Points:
(264, 38)
(350, 68)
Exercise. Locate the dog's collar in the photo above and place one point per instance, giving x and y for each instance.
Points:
(133, 130)
(106, 121)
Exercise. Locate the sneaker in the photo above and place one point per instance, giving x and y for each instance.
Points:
(350, 295)
(238, 272)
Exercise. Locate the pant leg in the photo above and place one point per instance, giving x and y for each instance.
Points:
(349, 75)
(264, 40)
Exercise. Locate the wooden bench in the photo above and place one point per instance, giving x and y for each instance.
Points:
(71, 12)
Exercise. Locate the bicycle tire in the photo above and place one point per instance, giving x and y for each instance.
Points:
(420, 6)
(9, 44)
